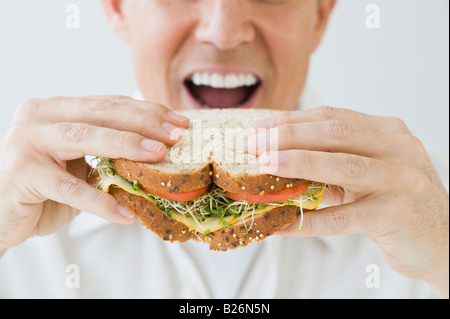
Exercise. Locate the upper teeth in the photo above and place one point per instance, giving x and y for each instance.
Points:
(222, 81)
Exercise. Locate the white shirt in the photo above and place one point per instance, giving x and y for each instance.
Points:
(93, 258)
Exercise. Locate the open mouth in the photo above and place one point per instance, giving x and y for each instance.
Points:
(215, 90)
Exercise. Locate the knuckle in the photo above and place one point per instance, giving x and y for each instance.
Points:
(27, 109)
(352, 166)
(283, 117)
(147, 116)
(69, 187)
(290, 132)
(413, 143)
(397, 123)
(74, 133)
(337, 221)
(100, 105)
(158, 107)
(31, 104)
(123, 139)
(306, 158)
(338, 130)
(328, 112)
(99, 201)
(150, 109)
(15, 133)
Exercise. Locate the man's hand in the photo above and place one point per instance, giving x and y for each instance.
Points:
(44, 178)
(382, 184)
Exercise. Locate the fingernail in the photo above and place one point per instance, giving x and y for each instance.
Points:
(152, 146)
(272, 159)
(258, 142)
(177, 117)
(175, 132)
(266, 123)
(252, 144)
(124, 212)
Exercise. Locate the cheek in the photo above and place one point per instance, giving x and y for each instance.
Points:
(289, 42)
(291, 51)
(155, 42)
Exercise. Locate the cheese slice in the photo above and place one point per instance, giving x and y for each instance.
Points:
(213, 223)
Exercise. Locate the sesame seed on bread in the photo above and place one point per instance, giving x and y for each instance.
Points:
(155, 178)
(237, 235)
(213, 151)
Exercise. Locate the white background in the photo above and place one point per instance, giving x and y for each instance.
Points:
(400, 69)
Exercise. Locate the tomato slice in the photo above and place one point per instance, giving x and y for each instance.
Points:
(183, 196)
(281, 196)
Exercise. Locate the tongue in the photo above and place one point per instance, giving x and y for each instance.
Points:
(220, 98)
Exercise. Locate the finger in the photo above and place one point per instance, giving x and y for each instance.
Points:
(337, 195)
(152, 120)
(52, 182)
(357, 174)
(342, 137)
(353, 218)
(327, 113)
(82, 170)
(67, 141)
(327, 136)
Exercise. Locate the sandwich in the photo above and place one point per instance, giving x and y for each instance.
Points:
(209, 188)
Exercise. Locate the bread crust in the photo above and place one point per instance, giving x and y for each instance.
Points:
(234, 236)
(155, 180)
(243, 233)
(152, 217)
(150, 179)
(252, 184)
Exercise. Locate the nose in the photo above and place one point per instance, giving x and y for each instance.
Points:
(225, 24)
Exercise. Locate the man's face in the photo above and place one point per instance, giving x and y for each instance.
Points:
(222, 53)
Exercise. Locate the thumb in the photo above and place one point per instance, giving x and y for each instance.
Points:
(352, 218)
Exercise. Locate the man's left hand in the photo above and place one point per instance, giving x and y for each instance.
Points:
(381, 184)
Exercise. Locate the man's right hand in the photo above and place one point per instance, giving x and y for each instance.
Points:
(44, 178)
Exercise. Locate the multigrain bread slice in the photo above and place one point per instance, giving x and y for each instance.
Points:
(213, 155)
(237, 235)
(152, 178)
(153, 218)
(243, 182)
